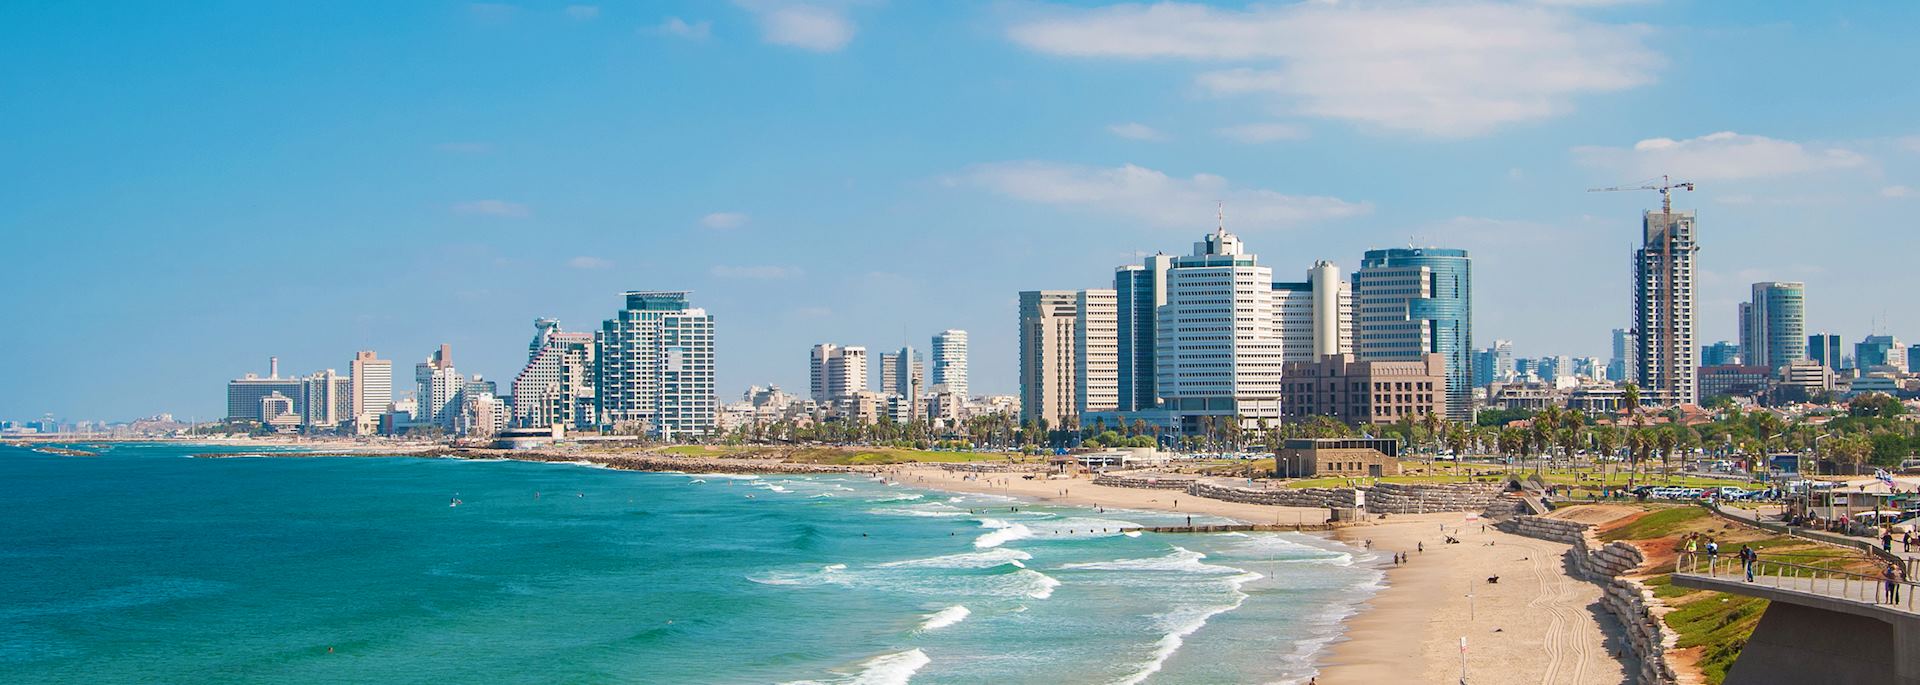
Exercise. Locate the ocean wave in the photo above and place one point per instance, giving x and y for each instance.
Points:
(943, 618)
(898, 498)
(1278, 547)
(831, 574)
(727, 476)
(1181, 560)
(820, 495)
(994, 557)
(887, 669)
(1002, 532)
(940, 509)
(1036, 584)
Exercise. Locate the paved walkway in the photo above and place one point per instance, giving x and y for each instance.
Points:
(1807, 580)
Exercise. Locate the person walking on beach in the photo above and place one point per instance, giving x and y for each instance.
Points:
(1907, 539)
(1748, 560)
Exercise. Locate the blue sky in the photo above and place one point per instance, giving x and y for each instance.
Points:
(188, 188)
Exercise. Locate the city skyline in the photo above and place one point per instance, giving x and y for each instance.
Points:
(205, 225)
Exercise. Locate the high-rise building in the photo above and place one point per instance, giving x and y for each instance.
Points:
(557, 384)
(438, 388)
(1047, 374)
(1096, 353)
(1773, 327)
(1218, 352)
(656, 367)
(1139, 291)
(950, 362)
(838, 371)
(1620, 366)
(1880, 350)
(1314, 318)
(1411, 302)
(327, 401)
(245, 393)
(1825, 348)
(902, 373)
(1666, 358)
(1913, 359)
(1723, 353)
(372, 388)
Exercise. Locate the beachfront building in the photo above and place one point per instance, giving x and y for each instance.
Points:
(1047, 320)
(438, 387)
(327, 401)
(835, 371)
(1666, 355)
(556, 387)
(1314, 318)
(1363, 392)
(1218, 353)
(245, 393)
(950, 362)
(1773, 326)
(1413, 302)
(1096, 353)
(1314, 457)
(372, 390)
(655, 367)
(1139, 292)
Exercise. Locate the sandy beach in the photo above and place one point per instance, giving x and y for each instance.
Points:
(1537, 625)
(1082, 492)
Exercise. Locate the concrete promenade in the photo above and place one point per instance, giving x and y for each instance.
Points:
(1820, 626)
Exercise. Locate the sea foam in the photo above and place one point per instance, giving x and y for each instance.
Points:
(887, 669)
(943, 618)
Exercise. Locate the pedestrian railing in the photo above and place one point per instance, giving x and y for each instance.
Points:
(1825, 582)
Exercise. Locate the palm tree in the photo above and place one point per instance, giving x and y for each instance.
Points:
(1666, 440)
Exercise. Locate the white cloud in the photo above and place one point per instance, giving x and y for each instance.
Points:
(584, 262)
(820, 27)
(502, 208)
(582, 12)
(1896, 191)
(465, 148)
(1134, 130)
(675, 26)
(1718, 156)
(1153, 196)
(1446, 70)
(1263, 133)
(760, 273)
(724, 220)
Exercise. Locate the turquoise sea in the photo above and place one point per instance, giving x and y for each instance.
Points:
(143, 565)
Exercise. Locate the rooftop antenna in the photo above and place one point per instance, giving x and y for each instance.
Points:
(1220, 212)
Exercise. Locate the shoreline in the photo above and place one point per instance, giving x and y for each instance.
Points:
(1535, 626)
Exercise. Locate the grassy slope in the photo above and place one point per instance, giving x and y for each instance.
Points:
(1714, 626)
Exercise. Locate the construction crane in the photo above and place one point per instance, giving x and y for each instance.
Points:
(1666, 186)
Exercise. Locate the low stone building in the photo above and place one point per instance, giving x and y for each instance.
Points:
(1312, 457)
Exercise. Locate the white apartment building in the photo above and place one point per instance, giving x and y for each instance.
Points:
(372, 389)
(656, 367)
(1096, 350)
(837, 372)
(950, 362)
(1217, 350)
(557, 384)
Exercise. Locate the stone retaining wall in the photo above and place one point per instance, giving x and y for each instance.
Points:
(1556, 530)
(1319, 498)
(1627, 599)
(1424, 498)
(1149, 481)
